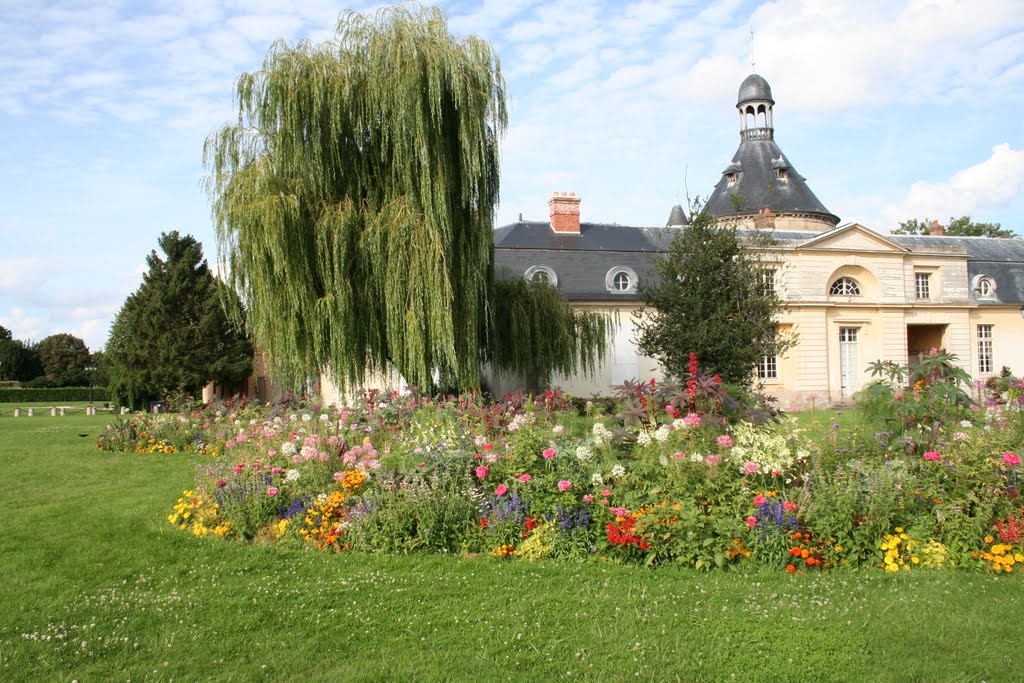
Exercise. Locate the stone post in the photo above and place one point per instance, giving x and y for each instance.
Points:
(31, 412)
(53, 412)
(17, 412)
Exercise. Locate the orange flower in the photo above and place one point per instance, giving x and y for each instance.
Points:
(790, 568)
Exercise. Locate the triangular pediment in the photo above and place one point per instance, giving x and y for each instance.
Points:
(852, 237)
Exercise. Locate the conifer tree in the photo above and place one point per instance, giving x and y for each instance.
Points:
(172, 335)
(709, 297)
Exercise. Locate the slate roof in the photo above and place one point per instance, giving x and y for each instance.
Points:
(754, 87)
(582, 262)
(755, 164)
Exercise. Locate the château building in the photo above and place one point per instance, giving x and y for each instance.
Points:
(853, 295)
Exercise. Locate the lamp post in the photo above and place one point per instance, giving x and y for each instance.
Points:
(90, 369)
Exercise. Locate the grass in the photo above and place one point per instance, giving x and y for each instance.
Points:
(99, 587)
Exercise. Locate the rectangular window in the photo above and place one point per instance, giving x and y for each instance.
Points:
(768, 368)
(984, 349)
(923, 281)
(768, 280)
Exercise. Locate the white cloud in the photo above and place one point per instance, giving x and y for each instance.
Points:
(994, 183)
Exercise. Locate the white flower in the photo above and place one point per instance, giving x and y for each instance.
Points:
(558, 429)
(288, 448)
(661, 433)
(697, 457)
(679, 424)
(643, 438)
(325, 417)
(966, 424)
(582, 453)
(596, 479)
(306, 417)
(292, 475)
(618, 471)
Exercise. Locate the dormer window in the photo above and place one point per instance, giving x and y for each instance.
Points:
(781, 174)
(732, 174)
(621, 280)
(844, 286)
(543, 274)
(984, 286)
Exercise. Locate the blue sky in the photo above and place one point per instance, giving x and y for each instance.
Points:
(890, 109)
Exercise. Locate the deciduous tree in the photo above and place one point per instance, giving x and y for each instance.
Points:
(64, 358)
(957, 227)
(354, 201)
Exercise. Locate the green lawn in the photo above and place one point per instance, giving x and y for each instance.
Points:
(97, 587)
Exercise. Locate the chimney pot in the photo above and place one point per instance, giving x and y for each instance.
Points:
(936, 229)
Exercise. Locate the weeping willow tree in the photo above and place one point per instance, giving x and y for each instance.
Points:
(538, 332)
(354, 201)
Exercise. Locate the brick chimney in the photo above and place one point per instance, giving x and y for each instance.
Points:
(936, 229)
(565, 213)
(765, 219)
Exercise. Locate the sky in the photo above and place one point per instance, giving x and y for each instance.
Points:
(890, 109)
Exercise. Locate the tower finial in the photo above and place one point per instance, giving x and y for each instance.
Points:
(752, 69)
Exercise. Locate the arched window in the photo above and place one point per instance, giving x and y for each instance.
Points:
(984, 286)
(541, 274)
(621, 280)
(844, 286)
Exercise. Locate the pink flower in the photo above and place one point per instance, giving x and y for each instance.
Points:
(488, 447)
(692, 420)
(789, 506)
(421, 464)
(1011, 458)
(501, 490)
(271, 490)
(725, 441)
(606, 492)
(525, 478)
(932, 456)
(271, 453)
(548, 453)
(712, 460)
(679, 455)
(481, 471)
(238, 469)
(759, 501)
(619, 512)
(589, 498)
(564, 485)
(275, 470)
(603, 501)
(750, 467)
(751, 521)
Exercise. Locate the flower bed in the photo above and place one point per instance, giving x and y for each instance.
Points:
(680, 475)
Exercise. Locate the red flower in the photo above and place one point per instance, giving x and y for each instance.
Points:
(483, 523)
(790, 568)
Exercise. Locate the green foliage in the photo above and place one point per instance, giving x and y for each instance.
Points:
(914, 399)
(172, 335)
(354, 202)
(55, 396)
(64, 358)
(957, 227)
(18, 361)
(354, 198)
(708, 298)
(536, 332)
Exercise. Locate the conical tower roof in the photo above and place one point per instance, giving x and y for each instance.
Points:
(759, 176)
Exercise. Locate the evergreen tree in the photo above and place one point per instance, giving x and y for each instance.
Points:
(63, 358)
(354, 202)
(172, 335)
(709, 297)
(957, 227)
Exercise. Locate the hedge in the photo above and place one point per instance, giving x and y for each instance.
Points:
(54, 395)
